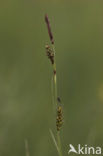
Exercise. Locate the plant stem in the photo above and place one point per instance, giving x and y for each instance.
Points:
(51, 56)
(56, 96)
(55, 77)
(59, 143)
(27, 148)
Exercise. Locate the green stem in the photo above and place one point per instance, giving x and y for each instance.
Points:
(55, 83)
(55, 76)
(56, 103)
(59, 143)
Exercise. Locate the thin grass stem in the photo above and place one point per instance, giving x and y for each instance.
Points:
(56, 96)
(27, 148)
(51, 55)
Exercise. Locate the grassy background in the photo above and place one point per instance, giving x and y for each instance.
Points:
(25, 74)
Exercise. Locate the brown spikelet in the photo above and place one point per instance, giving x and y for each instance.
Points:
(49, 29)
(50, 53)
(59, 119)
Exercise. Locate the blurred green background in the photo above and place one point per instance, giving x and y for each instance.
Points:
(25, 74)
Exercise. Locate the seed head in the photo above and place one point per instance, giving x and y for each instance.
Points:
(49, 29)
(50, 53)
(59, 119)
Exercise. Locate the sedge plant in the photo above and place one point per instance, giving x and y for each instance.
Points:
(51, 53)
